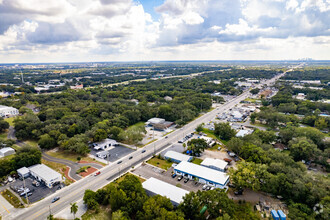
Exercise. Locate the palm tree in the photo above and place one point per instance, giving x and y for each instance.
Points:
(50, 217)
(74, 209)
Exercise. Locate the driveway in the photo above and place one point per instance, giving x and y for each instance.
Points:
(73, 166)
(115, 153)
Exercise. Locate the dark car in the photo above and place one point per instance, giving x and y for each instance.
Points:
(166, 136)
(239, 192)
(143, 151)
(56, 199)
(180, 178)
(119, 162)
(186, 180)
(173, 175)
(130, 157)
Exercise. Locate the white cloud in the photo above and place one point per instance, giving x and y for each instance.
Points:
(105, 30)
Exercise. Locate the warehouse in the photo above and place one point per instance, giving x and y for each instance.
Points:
(203, 174)
(177, 157)
(216, 164)
(157, 187)
(6, 151)
(104, 144)
(45, 174)
(6, 111)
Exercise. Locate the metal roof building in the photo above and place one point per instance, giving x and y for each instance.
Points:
(45, 174)
(216, 164)
(23, 172)
(6, 151)
(204, 175)
(177, 157)
(155, 186)
(8, 111)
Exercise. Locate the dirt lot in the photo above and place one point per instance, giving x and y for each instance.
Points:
(222, 154)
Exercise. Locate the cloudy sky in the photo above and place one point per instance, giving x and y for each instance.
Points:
(132, 30)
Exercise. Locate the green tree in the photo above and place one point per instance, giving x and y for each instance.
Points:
(3, 125)
(199, 128)
(248, 175)
(197, 146)
(224, 131)
(266, 136)
(254, 91)
(100, 135)
(46, 142)
(235, 144)
(321, 123)
(74, 209)
(90, 200)
(302, 149)
(119, 215)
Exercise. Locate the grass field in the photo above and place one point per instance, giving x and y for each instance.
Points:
(68, 156)
(10, 120)
(163, 164)
(211, 134)
(3, 135)
(122, 178)
(31, 143)
(55, 166)
(103, 214)
(197, 161)
(12, 199)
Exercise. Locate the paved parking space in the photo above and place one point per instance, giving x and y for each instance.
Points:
(38, 192)
(115, 153)
(146, 171)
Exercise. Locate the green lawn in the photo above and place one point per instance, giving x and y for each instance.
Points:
(12, 199)
(69, 156)
(10, 120)
(103, 214)
(122, 178)
(3, 135)
(211, 134)
(31, 143)
(197, 161)
(163, 164)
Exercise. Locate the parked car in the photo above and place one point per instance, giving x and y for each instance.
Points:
(180, 178)
(173, 175)
(56, 199)
(208, 188)
(231, 185)
(204, 187)
(143, 151)
(186, 180)
(166, 136)
(130, 157)
(239, 192)
(97, 173)
(119, 162)
(212, 188)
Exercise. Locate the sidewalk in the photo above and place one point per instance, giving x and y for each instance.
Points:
(66, 213)
(5, 207)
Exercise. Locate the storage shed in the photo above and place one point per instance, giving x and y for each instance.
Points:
(6, 151)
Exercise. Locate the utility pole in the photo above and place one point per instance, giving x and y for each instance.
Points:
(26, 196)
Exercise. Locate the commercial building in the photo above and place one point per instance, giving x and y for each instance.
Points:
(203, 174)
(157, 187)
(104, 144)
(6, 151)
(243, 132)
(159, 123)
(237, 116)
(177, 157)
(6, 111)
(216, 164)
(45, 174)
(23, 172)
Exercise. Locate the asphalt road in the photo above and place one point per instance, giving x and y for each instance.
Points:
(75, 191)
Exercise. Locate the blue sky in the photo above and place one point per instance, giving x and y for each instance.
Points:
(131, 30)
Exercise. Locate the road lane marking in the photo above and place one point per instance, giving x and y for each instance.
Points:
(4, 206)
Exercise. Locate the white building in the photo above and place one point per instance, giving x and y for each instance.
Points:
(177, 157)
(104, 144)
(23, 172)
(237, 116)
(45, 174)
(216, 164)
(157, 187)
(203, 174)
(153, 121)
(8, 111)
(242, 133)
(301, 96)
(6, 151)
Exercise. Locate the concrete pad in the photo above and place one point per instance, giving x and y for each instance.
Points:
(66, 213)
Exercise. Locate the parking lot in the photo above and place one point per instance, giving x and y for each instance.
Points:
(38, 192)
(146, 171)
(115, 153)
